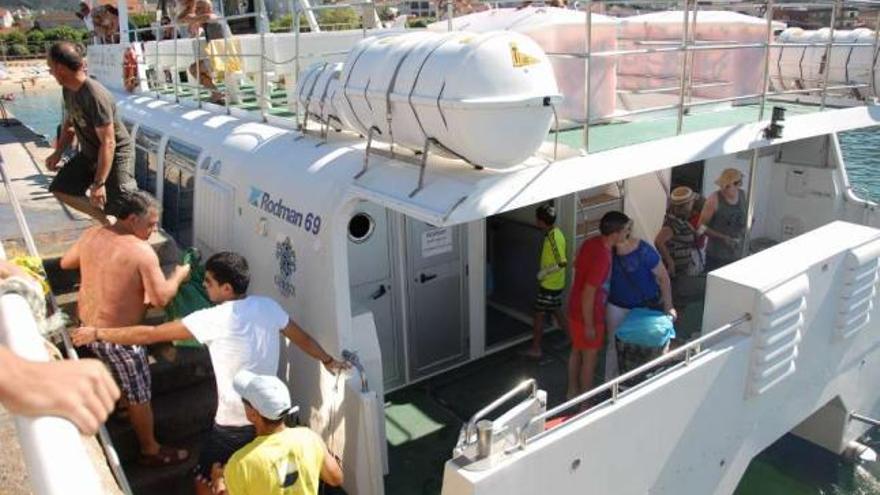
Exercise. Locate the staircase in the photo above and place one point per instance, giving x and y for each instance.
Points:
(184, 394)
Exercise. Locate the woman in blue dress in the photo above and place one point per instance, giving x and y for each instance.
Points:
(638, 280)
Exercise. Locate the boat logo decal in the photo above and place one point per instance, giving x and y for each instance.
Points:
(286, 256)
(261, 200)
(522, 59)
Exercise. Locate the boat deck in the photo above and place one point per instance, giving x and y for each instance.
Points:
(626, 133)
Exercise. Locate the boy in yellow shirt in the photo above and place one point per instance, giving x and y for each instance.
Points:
(551, 277)
(280, 460)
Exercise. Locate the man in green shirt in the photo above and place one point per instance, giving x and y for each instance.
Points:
(551, 277)
(280, 460)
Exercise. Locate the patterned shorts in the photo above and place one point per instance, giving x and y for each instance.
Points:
(631, 356)
(128, 363)
(548, 300)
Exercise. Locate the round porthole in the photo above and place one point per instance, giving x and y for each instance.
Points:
(360, 227)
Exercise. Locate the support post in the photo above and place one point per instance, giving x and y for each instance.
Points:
(588, 62)
(753, 163)
(682, 83)
(874, 55)
(422, 167)
(828, 45)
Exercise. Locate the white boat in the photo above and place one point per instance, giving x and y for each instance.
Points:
(390, 243)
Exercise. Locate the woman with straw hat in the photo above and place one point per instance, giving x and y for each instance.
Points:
(679, 246)
(724, 220)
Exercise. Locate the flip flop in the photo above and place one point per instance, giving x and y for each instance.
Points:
(167, 456)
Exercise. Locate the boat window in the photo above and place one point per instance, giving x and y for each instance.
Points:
(146, 158)
(360, 227)
(178, 189)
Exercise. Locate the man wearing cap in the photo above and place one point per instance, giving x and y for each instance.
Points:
(724, 220)
(280, 460)
(241, 332)
(551, 277)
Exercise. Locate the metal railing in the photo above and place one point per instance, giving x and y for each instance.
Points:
(686, 353)
(689, 46)
(53, 449)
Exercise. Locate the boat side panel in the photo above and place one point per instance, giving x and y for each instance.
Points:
(702, 422)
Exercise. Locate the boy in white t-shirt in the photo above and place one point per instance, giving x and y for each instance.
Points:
(242, 333)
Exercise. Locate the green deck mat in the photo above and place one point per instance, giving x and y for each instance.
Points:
(618, 134)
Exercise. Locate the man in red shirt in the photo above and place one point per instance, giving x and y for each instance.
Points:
(586, 303)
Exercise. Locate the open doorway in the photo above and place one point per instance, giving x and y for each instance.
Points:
(513, 245)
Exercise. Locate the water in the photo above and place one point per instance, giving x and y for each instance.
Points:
(789, 467)
(40, 110)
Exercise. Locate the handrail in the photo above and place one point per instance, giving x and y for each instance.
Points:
(531, 384)
(690, 351)
(103, 436)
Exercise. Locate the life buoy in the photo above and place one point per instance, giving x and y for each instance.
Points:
(130, 70)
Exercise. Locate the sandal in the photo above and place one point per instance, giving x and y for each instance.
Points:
(167, 456)
(218, 99)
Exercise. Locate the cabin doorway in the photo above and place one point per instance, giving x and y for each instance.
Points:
(513, 243)
(438, 335)
(689, 174)
(370, 276)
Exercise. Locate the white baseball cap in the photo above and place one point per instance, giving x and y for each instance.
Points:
(265, 393)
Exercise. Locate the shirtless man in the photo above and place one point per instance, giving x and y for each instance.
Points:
(120, 277)
(81, 391)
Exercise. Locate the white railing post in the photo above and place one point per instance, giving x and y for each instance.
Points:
(828, 52)
(682, 84)
(588, 62)
(53, 450)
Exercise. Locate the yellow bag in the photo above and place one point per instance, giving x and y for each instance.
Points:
(223, 56)
(34, 267)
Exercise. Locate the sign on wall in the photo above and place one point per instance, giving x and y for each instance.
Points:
(436, 241)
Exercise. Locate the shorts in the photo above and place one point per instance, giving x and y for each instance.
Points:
(78, 174)
(128, 363)
(580, 341)
(631, 356)
(219, 445)
(548, 300)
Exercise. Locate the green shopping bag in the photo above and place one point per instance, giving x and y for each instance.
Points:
(191, 296)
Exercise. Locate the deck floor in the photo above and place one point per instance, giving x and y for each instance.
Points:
(604, 137)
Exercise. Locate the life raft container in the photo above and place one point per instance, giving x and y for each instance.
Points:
(487, 98)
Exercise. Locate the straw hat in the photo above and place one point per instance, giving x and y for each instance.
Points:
(681, 195)
(729, 176)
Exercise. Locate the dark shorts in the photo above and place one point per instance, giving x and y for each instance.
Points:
(129, 366)
(219, 445)
(548, 300)
(78, 174)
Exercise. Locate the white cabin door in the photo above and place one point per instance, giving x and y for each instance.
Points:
(437, 334)
(369, 267)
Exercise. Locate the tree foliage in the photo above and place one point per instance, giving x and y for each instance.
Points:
(35, 36)
(64, 33)
(142, 20)
(343, 18)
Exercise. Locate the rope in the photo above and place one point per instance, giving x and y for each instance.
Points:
(32, 293)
